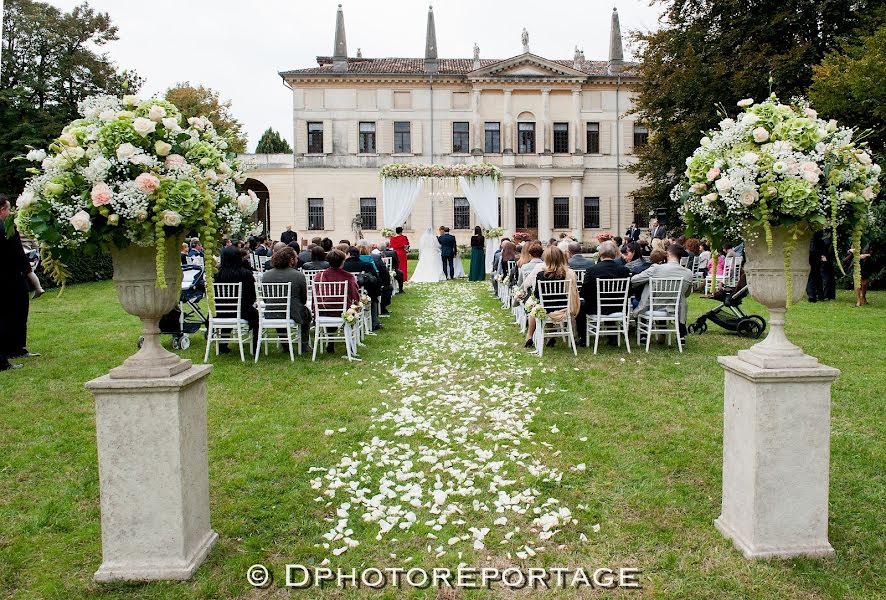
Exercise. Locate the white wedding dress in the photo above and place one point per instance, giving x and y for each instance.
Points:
(430, 261)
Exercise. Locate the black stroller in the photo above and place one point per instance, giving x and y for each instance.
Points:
(186, 318)
(729, 315)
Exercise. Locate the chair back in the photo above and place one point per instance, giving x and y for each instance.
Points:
(275, 297)
(227, 300)
(580, 276)
(612, 295)
(512, 264)
(553, 294)
(684, 262)
(309, 280)
(731, 271)
(664, 294)
(330, 298)
(389, 262)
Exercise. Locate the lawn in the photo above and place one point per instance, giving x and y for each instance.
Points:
(653, 424)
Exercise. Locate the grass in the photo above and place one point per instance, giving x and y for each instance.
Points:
(654, 451)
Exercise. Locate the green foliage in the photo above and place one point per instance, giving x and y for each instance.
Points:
(272, 143)
(82, 268)
(196, 101)
(51, 61)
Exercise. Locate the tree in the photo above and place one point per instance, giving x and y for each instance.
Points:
(272, 143)
(49, 64)
(204, 101)
(712, 53)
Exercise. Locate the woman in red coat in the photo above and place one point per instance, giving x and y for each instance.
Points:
(400, 244)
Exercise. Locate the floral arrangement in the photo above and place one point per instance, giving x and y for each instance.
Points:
(519, 294)
(530, 304)
(131, 172)
(388, 232)
(522, 236)
(778, 165)
(352, 315)
(365, 300)
(493, 232)
(538, 312)
(400, 170)
(603, 237)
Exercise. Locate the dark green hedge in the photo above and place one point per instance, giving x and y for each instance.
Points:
(83, 269)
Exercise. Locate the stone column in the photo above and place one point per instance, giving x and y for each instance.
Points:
(545, 206)
(507, 143)
(577, 134)
(509, 208)
(153, 475)
(545, 141)
(477, 125)
(576, 203)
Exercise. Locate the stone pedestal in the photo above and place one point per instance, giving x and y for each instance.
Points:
(154, 475)
(776, 457)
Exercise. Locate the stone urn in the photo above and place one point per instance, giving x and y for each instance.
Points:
(135, 277)
(767, 284)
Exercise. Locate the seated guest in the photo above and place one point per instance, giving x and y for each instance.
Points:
(183, 253)
(196, 248)
(633, 260)
(645, 249)
(534, 251)
(657, 244)
(336, 259)
(283, 270)
(606, 268)
(704, 257)
(497, 256)
(345, 242)
(670, 269)
(367, 278)
(577, 261)
(381, 271)
(263, 249)
(386, 251)
(658, 257)
(327, 244)
(318, 260)
(305, 255)
(232, 270)
(691, 247)
(554, 268)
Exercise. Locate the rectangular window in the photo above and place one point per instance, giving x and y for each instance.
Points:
(526, 138)
(461, 213)
(561, 138)
(593, 138)
(367, 211)
(315, 138)
(402, 137)
(641, 135)
(316, 222)
(592, 213)
(367, 137)
(461, 137)
(561, 213)
(493, 138)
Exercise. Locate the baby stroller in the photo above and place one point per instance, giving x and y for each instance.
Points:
(186, 318)
(729, 315)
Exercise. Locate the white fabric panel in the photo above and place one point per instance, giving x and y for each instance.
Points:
(482, 194)
(398, 199)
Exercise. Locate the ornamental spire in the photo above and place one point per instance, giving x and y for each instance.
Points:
(431, 44)
(340, 53)
(616, 55)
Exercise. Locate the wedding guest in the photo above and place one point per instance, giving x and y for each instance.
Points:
(577, 261)
(283, 270)
(400, 245)
(478, 256)
(868, 265)
(534, 251)
(305, 255)
(618, 244)
(554, 268)
(399, 275)
(670, 269)
(657, 231)
(381, 272)
(294, 245)
(336, 259)
(633, 233)
(692, 247)
(327, 244)
(657, 244)
(496, 258)
(658, 257)
(318, 260)
(14, 301)
(232, 270)
(814, 291)
(183, 253)
(196, 248)
(704, 256)
(507, 256)
(644, 247)
(605, 268)
(633, 260)
(828, 273)
(523, 256)
(367, 278)
(289, 235)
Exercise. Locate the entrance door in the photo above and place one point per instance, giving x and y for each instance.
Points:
(527, 215)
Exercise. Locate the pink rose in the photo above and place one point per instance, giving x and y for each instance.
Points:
(760, 135)
(175, 161)
(713, 173)
(101, 194)
(147, 183)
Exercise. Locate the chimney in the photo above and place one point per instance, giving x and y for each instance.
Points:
(431, 44)
(340, 53)
(616, 56)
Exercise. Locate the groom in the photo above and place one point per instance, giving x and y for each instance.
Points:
(447, 251)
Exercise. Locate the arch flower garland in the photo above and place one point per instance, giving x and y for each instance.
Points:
(131, 172)
(778, 165)
(401, 170)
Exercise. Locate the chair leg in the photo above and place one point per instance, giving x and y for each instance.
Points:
(261, 332)
(208, 344)
(240, 343)
(596, 337)
(316, 341)
(677, 334)
(625, 331)
(298, 333)
(291, 351)
(648, 335)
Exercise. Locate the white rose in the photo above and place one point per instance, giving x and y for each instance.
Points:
(107, 115)
(705, 142)
(868, 194)
(126, 151)
(224, 169)
(724, 185)
(832, 126)
(131, 100)
(196, 122)
(864, 158)
(141, 159)
(144, 126)
(27, 198)
(171, 218)
(48, 163)
(156, 113)
(780, 167)
(81, 221)
(244, 203)
(726, 123)
(760, 135)
(750, 158)
(810, 113)
(36, 155)
(210, 175)
(746, 102)
(748, 197)
(749, 118)
(68, 139)
(875, 169)
(162, 148)
(240, 178)
(712, 197)
(171, 123)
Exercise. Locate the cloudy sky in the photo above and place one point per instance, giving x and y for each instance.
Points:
(237, 46)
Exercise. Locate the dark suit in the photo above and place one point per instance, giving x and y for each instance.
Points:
(658, 232)
(448, 250)
(14, 300)
(580, 263)
(288, 236)
(632, 234)
(395, 264)
(605, 269)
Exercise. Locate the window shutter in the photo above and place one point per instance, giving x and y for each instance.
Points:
(605, 138)
(606, 212)
(446, 137)
(385, 137)
(301, 137)
(353, 138)
(581, 137)
(628, 137)
(329, 213)
(327, 136)
(417, 138)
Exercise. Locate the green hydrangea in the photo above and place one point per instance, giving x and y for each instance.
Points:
(797, 197)
(115, 133)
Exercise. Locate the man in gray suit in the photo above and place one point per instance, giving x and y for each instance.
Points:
(669, 270)
(577, 261)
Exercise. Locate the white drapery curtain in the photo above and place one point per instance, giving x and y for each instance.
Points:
(482, 194)
(398, 198)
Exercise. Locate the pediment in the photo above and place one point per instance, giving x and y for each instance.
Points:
(526, 65)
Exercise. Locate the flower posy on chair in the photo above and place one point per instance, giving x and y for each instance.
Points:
(778, 166)
(132, 172)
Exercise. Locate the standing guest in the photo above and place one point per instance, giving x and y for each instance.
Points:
(577, 261)
(14, 302)
(670, 269)
(633, 233)
(386, 252)
(183, 253)
(289, 235)
(657, 231)
(606, 268)
(448, 251)
(283, 271)
(554, 268)
(478, 256)
(196, 248)
(336, 259)
(828, 274)
(232, 270)
(318, 260)
(867, 269)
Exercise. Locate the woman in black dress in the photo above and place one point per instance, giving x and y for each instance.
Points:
(478, 256)
(233, 270)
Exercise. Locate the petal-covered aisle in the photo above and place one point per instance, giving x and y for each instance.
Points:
(449, 463)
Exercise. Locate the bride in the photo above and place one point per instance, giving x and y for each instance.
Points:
(430, 262)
